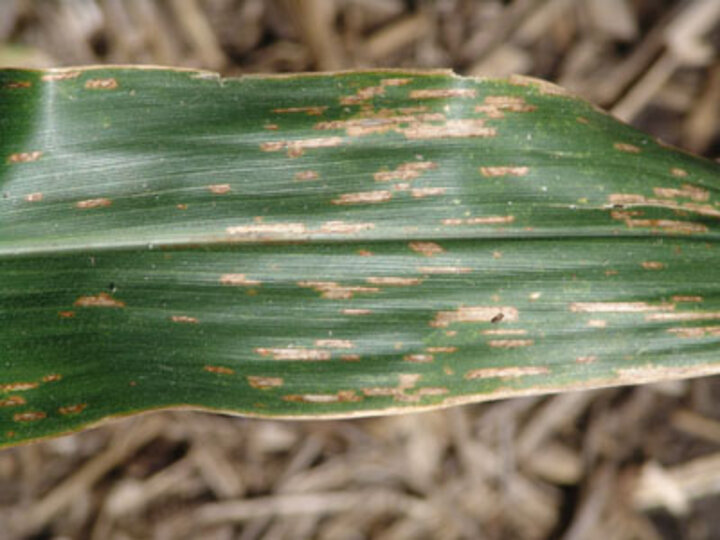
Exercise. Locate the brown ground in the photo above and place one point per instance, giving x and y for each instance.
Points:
(615, 464)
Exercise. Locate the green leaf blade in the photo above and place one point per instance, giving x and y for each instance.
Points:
(336, 245)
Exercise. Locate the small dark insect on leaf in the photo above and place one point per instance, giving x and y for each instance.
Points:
(497, 318)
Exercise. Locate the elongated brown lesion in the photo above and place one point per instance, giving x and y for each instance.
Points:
(393, 281)
(504, 170)
(297, 147)
(100, 202)
(427, 249)
(101, 84)
(335, 343)
(294, 354)
(72, 409)
(506, 372)
(264, 383)
(474, 314)
(102, 299)
(341, 396)
(238, 280)
(364, 197)
(479, 220)
(220, 370)
(497, 106)
(335, 291)
(618, 307)
(29, 416)
(12, 401)
(24, 157)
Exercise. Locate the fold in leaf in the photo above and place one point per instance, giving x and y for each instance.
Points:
(336, 245)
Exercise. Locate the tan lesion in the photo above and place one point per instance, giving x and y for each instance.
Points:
(364, 197)
(102, 299)
(17, 85)
(504, 332)
(695, 332)
(365, 94)
(345, 227)
(219, 370)
(444, 270)
(24, 157)
(480, 220)
(443, 93)
(421, 193)
(405, 171)
(688, 191)
(335, 291)
(427, 249)
(450, 129)
(446, 349)
(60, 76)
(401, 392)
(238, 280)
(341, 396)
(219, 189)
(100, 202)
(306, 176)
(310, 110)
(264, 383)
(474, 314)
(686, 298)
(505, 170)
(497, 106)
(72, 409)
(101, 84)
(506, 372)
(510, 343)
(296, 148)
(267, 231)
(184, 319)
(29, 416)
(12, 401)
(418, 358)
(393, 281)
(627, 148)
(294, 354)
(683, 316)
(20, 386)
(619, 307)
(356, 311)
(335, 343)
(625, 209)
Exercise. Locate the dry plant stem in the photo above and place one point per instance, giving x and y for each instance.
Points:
(316, 22)
(198, 29)
(701, 124)
(650, 84)
(675, 487)
(62, 495)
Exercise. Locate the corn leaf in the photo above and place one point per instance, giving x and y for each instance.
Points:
(336, 245)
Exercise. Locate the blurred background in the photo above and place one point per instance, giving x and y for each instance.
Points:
(625, 463)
